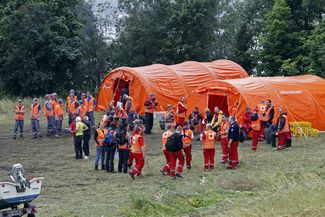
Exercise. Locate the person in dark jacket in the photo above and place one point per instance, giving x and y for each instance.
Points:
(195, 118)
(268, 120)
(86, 137)
(233, 139)
(177, 154)
(123, 145)
(110, 150)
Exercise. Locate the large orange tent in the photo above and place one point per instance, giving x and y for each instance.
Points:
(303, 97)
(168, 82)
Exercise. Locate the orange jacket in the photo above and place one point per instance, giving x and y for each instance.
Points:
(137, 143)
(69, 101)
(19, 113)
(101, 136)
(286, 128)
(89, 104)
(48, 112)
(209, 140)
(121, 113)
(82, 110)
(164, 138)
(188, 138)
(58, 112)
(181, 110)
(34, 111)
(224, 129)
(151, 107)
(132, 108)
(261, 111)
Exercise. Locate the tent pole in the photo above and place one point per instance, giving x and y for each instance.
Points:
(118, 83)
(291, 114)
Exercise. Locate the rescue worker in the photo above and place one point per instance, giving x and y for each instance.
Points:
(58, 116)
(165, 170)
(35, 110)
(19, 119)
(224, 128)
(120, 112)
(170, 115)
(209, 138)
(99, 136)
(181, 112)
(130, 109)
(217, 119)
(110, 150)
(233, 139)
(195, 118)
(90, 103)
(268, 120)
(188, 137)
(256, 127)
(70, 106)
(80, 128)
(123, 140)
(246, 121)
(151, 103)
(261, 112)
(86, 137)
(54, 99)
(208, 117)
(82, 109)
(283, 129)
(137, 153)
(177, 154)
(49, 114)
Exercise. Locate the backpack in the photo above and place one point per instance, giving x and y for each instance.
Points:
(109, 139)
(173, 144)
(120, 137)
(242, 135)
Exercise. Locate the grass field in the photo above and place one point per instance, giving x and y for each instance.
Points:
(266, 183)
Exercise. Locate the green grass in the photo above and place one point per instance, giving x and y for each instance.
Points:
(266, 183)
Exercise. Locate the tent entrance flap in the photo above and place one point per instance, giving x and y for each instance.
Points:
(219, 100)
(120, 87)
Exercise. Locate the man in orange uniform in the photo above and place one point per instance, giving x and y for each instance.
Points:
(283, 129)
(166, 169)
(209, 138)
(176, 154)
(137, 153)
(35, 110)
(130, 109)
(54, 99)
(70, 106)
(19, 119)
(90, 103)
(151, 103)
(119, 111)
(233, 139)
(261, 108)
(99, 136)
(256, 126)
(58, 115)
(188, 137)
(82, 109)
(181, 112)
(224, 127)
(49, 114)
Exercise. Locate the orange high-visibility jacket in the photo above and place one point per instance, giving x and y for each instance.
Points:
(188, 138)
(286, 128)
(164, 138)
(89, 104)
(34, 111)
(210, 139)
(58, 111)
(101, 136)
(19, 113)
(224, 127)
(136, 146)
(69, 101)
(132, 108)
(48, 112)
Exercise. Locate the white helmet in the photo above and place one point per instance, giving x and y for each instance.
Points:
(78, 119)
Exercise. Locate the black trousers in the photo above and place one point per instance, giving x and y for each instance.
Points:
(123, 160)
(85, 145)
(109, 159)
(77, 147)
(148, 122)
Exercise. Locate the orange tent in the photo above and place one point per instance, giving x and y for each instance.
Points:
(303, 97)
(169, 83)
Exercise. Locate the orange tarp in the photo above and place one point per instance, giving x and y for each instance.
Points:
(303, 97)
(168, 82)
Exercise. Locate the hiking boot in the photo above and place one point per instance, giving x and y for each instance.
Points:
(230, 168)
(132, 176)
(179, 175)
(173, 177)
(96, 167)
(163, 172)
(189, 167)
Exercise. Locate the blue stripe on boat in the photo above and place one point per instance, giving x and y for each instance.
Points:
(7, 203)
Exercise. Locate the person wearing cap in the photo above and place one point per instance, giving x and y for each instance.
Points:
(58, 115)
(90, 103)
(80, 128)
(19, 119)
(86, 137)
(150, 104)
(70, 105)
(130, 109)
(35, 110)
(49, 114)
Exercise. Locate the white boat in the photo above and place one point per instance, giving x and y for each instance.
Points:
(19, 191)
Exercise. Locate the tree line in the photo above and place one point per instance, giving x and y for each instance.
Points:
(55, 45)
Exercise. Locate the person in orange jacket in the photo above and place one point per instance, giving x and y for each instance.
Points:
(224, 127)
(165, 170)
(130, 109)
(209, 138)
(188, 137)
(150, 104)
(261, 109)
(137, 153)
(90, 103)
(49, 114)
(283, 130)
(35, 111)
(19, 119)
(58, 115)
(181, 110)
(82, 109)
(70, 106)
(256, 127)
